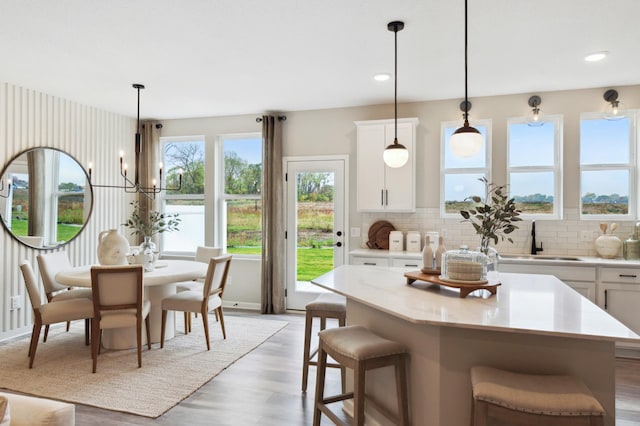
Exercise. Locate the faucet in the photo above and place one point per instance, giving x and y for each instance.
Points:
(534, 247)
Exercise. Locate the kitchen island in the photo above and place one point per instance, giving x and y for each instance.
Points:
(535, 324)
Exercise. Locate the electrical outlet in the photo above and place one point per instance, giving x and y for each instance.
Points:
(586, 236)
(15, 303)
(443, 233)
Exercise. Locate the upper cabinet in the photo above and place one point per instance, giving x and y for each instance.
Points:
(383, 188)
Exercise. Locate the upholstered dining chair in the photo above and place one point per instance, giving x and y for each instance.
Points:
(203, 254)
(203, 301)
(50, 264)
(118, 302)
(51, 313)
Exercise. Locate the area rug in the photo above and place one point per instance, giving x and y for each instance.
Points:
(62, 368)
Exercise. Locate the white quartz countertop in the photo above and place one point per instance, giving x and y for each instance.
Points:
(525, 303)
(555, 259)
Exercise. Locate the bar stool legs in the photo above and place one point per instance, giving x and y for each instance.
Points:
(327, 305)
(357, 348)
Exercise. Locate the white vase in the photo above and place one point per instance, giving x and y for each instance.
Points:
(112, 248)
(608, 246)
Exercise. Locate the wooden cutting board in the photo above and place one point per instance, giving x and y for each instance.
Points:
(379, 235)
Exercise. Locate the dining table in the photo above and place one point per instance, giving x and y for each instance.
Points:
(158, 284)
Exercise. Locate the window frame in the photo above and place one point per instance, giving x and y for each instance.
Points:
(486, 170)
(631, 167)
(556, 168)
(221, 197)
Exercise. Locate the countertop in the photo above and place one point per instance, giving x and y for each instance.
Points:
(555, 259)
(525, 303)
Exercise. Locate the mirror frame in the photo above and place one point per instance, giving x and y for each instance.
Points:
(90, 192)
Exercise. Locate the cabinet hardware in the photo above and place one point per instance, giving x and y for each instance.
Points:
(386, 192)
(413, 266)
(370, 263)
(382, 197)
(627, 275)
(605, 300)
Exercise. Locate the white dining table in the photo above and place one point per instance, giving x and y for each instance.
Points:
(158, 284)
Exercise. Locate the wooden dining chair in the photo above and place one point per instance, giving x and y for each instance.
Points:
(51, 313)
(118, 302)
(49, 265)
(210, 297)
(203, 254)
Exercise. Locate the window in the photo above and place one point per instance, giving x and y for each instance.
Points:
(607, 167)
(534, 166)
(459, 176)
(241, 188)
(186, 154)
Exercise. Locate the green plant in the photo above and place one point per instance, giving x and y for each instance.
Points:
(493, 217)
(154, 223)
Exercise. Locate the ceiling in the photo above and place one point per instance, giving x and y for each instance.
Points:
(229, 57)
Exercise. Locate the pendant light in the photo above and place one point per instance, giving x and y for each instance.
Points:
(466, 141)
(134, 186)
(536, 114)
(396, 154)
(614, 111)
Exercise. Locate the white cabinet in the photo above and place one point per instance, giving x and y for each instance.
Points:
(400, 259)
(369, 261)
(383, 188)
(619, 294)
(581, 278)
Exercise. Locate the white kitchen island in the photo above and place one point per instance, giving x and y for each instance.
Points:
(535, 324)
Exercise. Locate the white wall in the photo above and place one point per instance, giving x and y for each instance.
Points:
(29, 119)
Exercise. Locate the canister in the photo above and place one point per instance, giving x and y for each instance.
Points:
(631, 247)
(396, 241)
(413, 242)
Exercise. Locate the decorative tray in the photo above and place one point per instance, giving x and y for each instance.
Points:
(465, 287)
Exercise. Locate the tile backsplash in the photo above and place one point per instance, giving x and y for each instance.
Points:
(558, 237)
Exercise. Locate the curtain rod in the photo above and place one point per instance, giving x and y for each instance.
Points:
(280, 118)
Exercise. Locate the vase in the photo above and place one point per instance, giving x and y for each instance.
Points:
(492, 259)
(112, 248)
(148, 245)
(608, 246)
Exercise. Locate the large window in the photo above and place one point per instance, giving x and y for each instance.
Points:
(186, 154)
(534, 166)
(607, 167)
(460, 176)
(241, 188)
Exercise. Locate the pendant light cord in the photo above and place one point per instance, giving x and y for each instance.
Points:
(395, 85)
(466, 97)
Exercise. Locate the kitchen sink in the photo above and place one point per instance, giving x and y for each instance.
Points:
(540, 257)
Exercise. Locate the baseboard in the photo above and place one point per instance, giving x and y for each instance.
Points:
(241, 305)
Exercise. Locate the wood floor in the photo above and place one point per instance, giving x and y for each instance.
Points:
(263, 388)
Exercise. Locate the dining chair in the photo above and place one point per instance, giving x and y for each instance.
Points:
(210, 297)
(118, 302)
(51, 313)
(203, 254)
(50, 264)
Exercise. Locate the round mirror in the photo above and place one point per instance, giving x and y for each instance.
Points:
(45, 198)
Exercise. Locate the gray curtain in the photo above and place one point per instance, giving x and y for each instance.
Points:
(150, 137)
(273, 217)
(37, 199)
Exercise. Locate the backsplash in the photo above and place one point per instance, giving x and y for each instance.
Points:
(558, 237)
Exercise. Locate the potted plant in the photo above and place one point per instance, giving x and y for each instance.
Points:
(149, 225)
(492, 218)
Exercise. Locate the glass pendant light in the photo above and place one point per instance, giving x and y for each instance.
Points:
(614, 111)
(466, 141)
(396, 154)
(536, 114)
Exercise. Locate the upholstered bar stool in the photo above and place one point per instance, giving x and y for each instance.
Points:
(527, 399)
(326, 305)
(359, 349)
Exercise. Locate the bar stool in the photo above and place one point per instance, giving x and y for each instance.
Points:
(527, 399)
(326, 305)
(358, 348)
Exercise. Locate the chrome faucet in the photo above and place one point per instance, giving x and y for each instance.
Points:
(534, 247)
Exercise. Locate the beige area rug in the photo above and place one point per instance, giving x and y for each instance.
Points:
(62, 367)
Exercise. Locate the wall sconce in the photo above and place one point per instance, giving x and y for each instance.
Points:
(8, 189)
(614, 111)
(134, 185)
(536, 114)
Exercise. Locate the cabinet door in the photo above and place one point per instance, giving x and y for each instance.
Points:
(400, 195)
(622, 302)
(371, 168)
(587, 289)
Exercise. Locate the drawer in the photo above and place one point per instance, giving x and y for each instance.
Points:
(565, 273)
(407, 263)
(370, 261)
(620, 275)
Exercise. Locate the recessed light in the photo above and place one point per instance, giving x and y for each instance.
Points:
(596, 56)
(382, 77)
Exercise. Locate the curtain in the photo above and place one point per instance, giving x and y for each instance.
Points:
(150, 157)
(273, 217)
(37, 165)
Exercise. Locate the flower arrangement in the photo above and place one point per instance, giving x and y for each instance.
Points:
(155, 223)
(493, 217)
